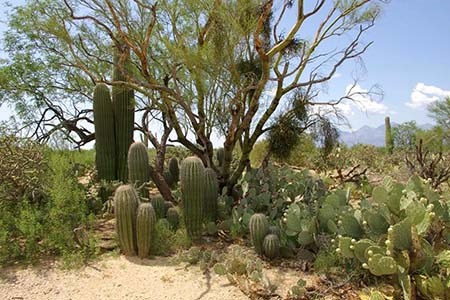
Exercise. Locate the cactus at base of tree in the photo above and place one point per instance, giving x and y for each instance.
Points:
(211, 195)
(145, 227)
(126, 201)
(258, 226)
(173, 217)
(174, 169)
(138, 166)
(105, 152)
(192, 180)
(159, 206)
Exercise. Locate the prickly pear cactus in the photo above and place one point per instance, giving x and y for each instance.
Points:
(159, 206)
(192, 180)
(126, 201)
(173, 218)
(271, 246)
(138, 167)
(105, 152)
(211, 195)
(123, 107)
(145, 227)
(258, 227)
(380, 265)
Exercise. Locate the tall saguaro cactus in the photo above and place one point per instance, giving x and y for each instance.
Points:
(138, 166)
(123, 106)
(105, 153)
(389, 140)
(126, 203)
(192, 180)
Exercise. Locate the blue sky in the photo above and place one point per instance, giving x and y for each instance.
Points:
(409, 61)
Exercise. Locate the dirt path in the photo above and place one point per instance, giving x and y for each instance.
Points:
(116, 278)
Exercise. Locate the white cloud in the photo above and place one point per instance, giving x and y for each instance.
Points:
(423, 95)
(336, 75)
(365, 101)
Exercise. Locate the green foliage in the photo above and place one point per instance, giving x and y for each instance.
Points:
(126, 201)
(105, 152)
(405, 135)
(166, 241)
(192, 179)
(145, 229)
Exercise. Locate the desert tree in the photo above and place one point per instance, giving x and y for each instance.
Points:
(208, 67)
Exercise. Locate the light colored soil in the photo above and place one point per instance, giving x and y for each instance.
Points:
(116, 278)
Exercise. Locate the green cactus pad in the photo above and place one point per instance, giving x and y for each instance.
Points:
(344, 246)
(400, 235)
(376, 222)
(351, 227)
(360, 248)
(380, 265)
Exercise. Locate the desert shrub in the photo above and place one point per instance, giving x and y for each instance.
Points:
(30, 226)
(166, 242)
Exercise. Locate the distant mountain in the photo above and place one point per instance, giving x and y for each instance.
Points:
(369, 135)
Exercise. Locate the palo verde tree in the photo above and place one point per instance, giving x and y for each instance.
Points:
(206, 66)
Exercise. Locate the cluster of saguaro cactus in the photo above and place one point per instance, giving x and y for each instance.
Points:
(135, 222)
(114, 125)
(258, 227)
(389, 139)
(192, 180)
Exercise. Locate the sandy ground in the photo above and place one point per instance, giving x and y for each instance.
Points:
(116, 278)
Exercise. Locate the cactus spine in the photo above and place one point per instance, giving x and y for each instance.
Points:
(126, 202)
(145, 227)
(105, 153)
(211, 194)
(271, 246)
(123, 106)
(138, 166)
(389, 140)
(192, 179)
(258, 226)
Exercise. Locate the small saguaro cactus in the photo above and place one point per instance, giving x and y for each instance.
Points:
(389, 140)
(192, 180)
(258, 226)
(174, 169)
(105, 152)
(159, 206)
(145, 227)
(220, 155)
(211, 195)
(138, 166)
(173, 217)
(271, 246)
(123, 107)
(126, 201)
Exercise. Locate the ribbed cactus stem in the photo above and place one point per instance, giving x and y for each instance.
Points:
(126, 201)
(138, 166)
(173, 217)
(389, 140)
(174, 169)
(159, 206)
(123, 107)
(192, 180)
(105, 152)
(258, 226)
(145, 227)
(220, 155)
(211, 195)
(271, 246)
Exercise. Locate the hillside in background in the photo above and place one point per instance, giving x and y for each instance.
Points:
(369, 135)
